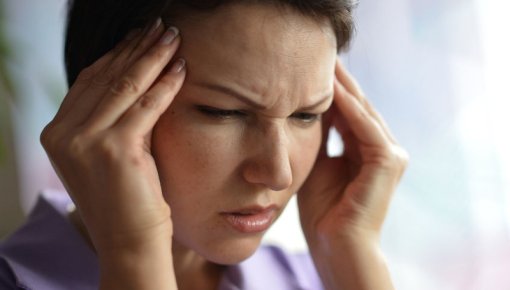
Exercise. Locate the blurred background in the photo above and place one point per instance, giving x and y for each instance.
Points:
(438, 71)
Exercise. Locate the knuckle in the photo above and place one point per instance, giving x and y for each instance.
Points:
(394, 158)
(384, 158)
(112, 148)
(125, 86)
(105, 78)
(136, 160)
(106, 147)
(402, 157)
(84, 148)
(150, 102)
(384, 161)
(52, 137)
(46, 137)
(170, 83)
(86, 74)
(76, 146)
(157, 55)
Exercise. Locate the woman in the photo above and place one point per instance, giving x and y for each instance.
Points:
(183, 144)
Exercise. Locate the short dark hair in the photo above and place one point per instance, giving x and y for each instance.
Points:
(95, 26)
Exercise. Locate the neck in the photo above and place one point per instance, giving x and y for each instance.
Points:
(192, 271)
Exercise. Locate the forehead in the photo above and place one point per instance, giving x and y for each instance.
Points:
(260, 47)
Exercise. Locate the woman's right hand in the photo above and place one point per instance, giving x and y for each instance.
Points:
(99, 145)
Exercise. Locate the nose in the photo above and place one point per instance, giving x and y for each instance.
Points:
(270, 164)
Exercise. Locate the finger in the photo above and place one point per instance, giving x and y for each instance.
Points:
(377, 116)
(102, 80)
(136, 48)
(84, 78)
(352, 86)
(360, 122)
(347, 80)
(153, 34)
(143, 115)
(135, 82)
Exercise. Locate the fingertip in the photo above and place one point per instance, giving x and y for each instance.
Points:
(179, 66)
(171, 34)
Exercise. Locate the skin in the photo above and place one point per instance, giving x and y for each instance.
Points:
(155, 169)
(259, 156)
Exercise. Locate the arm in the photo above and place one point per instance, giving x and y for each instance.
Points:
(344, 202)
(99, 145)
(352, 263)
(145, 266)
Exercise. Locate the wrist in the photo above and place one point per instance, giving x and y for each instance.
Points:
(345, 249)
(117, 242)
(330, 238)
(351, 261)
(140, 265)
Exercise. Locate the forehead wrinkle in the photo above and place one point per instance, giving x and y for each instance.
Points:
(275, 58)
(307, 101)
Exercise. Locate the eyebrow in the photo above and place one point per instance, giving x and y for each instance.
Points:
(250, 102)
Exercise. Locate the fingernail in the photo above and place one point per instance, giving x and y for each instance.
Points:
(178, 66)
(155, 26)
(169, 36)
(133, 33)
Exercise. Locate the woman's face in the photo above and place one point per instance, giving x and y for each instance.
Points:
(243, 133)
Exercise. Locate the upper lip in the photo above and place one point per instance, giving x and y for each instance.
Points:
(255, 209)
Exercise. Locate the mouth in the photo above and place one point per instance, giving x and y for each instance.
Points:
(251, 220)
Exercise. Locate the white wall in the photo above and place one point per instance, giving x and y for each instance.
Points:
(34, 30)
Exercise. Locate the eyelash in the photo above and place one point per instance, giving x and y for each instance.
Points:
(221, 114)
(307, 118)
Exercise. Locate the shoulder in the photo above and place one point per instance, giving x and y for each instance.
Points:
(46, 252)
(272, 267)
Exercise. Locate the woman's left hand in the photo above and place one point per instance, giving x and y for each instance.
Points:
(347, 197)
(350, 194)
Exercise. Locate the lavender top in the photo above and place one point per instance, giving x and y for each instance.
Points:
(48, 253)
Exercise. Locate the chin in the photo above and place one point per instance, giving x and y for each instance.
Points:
(227, 251)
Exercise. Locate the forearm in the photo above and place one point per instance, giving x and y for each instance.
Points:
(352, 264)
(146, 266)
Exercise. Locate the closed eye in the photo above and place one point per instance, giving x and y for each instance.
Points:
(306, 117)
(219, 113)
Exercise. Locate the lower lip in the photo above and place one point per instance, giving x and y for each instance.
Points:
(252, 223)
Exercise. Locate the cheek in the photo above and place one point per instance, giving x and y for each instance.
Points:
(190, 157)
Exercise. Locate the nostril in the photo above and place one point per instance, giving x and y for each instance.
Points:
(282, 184)
(273, 175)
